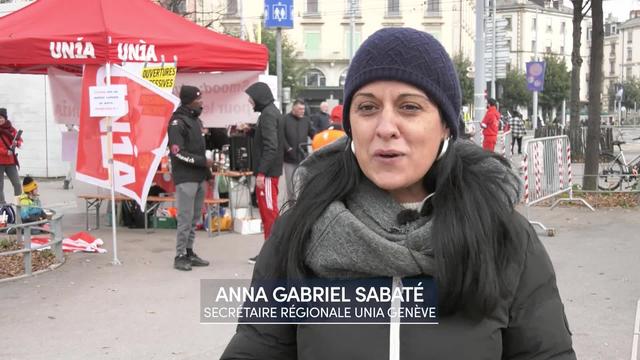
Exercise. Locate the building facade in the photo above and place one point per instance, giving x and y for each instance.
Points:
(536, 28)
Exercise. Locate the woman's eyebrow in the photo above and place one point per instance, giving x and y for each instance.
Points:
(367, 95)
(406, 95)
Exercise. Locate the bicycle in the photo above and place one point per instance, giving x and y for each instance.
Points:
(614, 169)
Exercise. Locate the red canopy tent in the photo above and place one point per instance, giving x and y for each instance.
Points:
(72, 33)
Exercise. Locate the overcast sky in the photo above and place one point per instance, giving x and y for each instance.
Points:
(619, 8)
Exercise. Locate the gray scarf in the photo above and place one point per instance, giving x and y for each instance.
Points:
(361, 238)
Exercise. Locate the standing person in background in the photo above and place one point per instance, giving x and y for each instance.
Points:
(190, 169)
(320, 121)
(489, 126)
(297, 131)
(8, 159)
(268, 153)
(517, 131)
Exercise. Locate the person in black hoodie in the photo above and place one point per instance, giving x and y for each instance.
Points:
(397, 198)
(268, 153)
(190, 169)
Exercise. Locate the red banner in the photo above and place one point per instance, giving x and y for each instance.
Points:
(139, 137)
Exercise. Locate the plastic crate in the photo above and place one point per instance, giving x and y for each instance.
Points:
(162, 222)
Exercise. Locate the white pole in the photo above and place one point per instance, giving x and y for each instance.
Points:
(112, 182)
(279, 66)
(240, 12)
(352, 28)
(535, 93)
(564, 113)
(493, 52)
(479, 83)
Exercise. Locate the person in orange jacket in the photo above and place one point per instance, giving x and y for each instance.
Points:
(489, 126)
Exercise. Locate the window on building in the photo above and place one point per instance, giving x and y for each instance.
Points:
(549, 25)
(629, 54)
(357, 38)
(562, 50)
(612, 67)
(508, 67)
(630, 37)
(393, 7)
(534, 24)
(547, 49)
(312, 44)
(509, 44)
(629, 73)
(314, 78)
(352, 5)
(533, 46)
(312, 7)
(508, 26)
(343, 77)
(563, 27)
(613, 50)
(589, 34)
(433, 8)
(232, 7)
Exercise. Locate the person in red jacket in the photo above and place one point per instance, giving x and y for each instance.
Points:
(490, 126)
(8, 159)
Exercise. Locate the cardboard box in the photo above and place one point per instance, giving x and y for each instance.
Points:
(247, 226)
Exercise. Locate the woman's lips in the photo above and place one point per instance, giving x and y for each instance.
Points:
(387, 156)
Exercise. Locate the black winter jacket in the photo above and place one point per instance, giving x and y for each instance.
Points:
(187, 147)
(268, 147)
(528, 324)
(296, 132)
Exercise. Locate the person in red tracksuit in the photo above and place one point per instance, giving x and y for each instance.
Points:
(490, 126)
(8, 159)
(267, 152)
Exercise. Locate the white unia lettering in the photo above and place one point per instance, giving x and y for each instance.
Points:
(137, 52)
(72, 50)
(124, 173)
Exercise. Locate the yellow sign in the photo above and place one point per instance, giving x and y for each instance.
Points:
(163, 77)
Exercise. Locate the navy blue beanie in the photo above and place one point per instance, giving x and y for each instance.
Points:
(410, 56)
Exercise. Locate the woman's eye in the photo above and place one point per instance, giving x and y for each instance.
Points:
(366, 107)
(410, 107)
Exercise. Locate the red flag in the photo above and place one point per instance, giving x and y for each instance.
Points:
(139, 137)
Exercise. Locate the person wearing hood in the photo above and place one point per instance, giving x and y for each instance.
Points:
(399, 198)
(267, 152)
(190, 169)
(8, 158)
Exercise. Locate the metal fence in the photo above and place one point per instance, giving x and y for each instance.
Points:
(23, 233)
(547, 173)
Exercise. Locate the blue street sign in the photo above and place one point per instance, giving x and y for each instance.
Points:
(278, 14)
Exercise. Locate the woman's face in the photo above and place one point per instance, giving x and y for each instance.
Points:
(2, 119)
(396, 132)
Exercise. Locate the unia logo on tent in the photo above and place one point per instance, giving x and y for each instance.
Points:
(137, 52)
(72, 49)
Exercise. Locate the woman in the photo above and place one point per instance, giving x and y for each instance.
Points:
(517, 131)
(353, 219)
(8, 159)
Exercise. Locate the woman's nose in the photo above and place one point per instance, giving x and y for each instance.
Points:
(387, 123)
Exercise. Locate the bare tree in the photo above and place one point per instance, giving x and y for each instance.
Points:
(179, 7)
(595, 92)
(580, 10)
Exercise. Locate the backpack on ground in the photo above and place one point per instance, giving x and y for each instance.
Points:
(11, 214)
